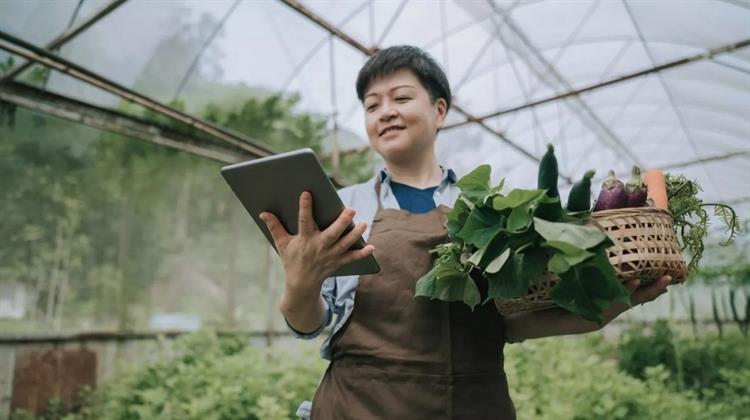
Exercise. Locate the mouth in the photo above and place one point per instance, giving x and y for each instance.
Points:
(391, 128)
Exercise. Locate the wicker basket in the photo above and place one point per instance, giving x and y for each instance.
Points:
(645, 248)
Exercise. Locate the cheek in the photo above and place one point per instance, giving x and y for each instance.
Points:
(370, 124)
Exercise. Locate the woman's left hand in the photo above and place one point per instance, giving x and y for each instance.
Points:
(647, 292)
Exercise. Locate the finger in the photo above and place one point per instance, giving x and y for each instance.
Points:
(357, 254)
(633, 284)
(278, 232)
(351, 238)
(651, 291)
(333, 232)
(306, 224)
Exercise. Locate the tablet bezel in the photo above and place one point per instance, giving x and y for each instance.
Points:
(275, 183)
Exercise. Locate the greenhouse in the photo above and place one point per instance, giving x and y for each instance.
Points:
(134, 283)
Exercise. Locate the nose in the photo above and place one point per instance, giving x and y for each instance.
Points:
(387, 112)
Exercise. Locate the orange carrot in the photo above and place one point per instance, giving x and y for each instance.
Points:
(656, 188)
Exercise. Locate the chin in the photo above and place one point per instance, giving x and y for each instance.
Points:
(396, 151)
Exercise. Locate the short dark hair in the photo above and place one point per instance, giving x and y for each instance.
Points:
(414, 59)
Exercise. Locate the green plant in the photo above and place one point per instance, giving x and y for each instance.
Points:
(691, 218)
(211, 378)
(506, 239)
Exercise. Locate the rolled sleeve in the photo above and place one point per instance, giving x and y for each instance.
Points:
(328, 299)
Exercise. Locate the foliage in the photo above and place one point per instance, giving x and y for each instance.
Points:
(696, 364)
(692, 219)
(558, 378)
(210, 378)
(506, 238)
(563, 379)
(100, 228)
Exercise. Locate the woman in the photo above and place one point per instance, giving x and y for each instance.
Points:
(393, 356)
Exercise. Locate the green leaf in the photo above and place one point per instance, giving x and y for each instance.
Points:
(457, 217)
(499, 187)
(448, 268)
(498, 262)
(589, 289)
(601, 263)
(530, 265)
(476, 184)
(504, 284)
(476, 257)
(564, 247)
(450, 288)
(520, 218)
(520, 239)
(572, 255)
(426, 285)
(516, 198)
(481, 227)
(583, 236)
(569, 293)
(558, 264)
(461, 289)
(494, 249)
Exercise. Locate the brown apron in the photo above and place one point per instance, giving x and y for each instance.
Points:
(398, 357)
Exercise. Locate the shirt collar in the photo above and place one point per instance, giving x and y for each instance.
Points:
(448, 176)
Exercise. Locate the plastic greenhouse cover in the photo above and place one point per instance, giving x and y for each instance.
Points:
(497, 55)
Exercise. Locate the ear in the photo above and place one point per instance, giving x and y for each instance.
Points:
(441, 106)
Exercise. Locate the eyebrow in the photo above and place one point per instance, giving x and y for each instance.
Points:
(391, 90)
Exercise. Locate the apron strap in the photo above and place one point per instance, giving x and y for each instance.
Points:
(378, 181)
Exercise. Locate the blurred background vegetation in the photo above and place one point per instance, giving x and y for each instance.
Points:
(106, 233)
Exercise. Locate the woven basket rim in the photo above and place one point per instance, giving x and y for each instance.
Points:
(630, 210)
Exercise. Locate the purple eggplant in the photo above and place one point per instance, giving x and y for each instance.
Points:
(612, 195)
(635, 189)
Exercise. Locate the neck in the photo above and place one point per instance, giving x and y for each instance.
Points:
(423, 172)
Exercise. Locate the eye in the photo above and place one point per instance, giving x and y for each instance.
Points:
(371, 107)
(402, 98)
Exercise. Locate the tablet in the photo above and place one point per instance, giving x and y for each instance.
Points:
(275, 183)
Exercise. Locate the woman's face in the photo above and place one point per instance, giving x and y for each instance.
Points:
(400, 118)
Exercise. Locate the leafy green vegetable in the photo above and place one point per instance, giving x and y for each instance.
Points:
(582, 236)
(448, 280)
(505, 284)
(589, 288)
(448, 288)
(516, 198)
(691, 219)
(476, 185)
(568, 256)
(482, 225)
(498, 262)
(507, 239)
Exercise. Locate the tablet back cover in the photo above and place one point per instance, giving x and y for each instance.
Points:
(274, 184)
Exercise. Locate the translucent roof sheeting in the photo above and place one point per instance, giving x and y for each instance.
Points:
(693, 117)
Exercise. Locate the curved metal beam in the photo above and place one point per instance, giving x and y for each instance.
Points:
(295, 5)
(113, 121)
(66, 36)
(575, 92)
(31, 52)
(300, 8)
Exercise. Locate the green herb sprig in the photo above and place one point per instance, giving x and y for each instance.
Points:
(692, 219)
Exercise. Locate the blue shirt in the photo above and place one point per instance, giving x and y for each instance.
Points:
(412, 199)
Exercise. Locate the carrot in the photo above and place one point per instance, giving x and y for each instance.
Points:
(656, 188)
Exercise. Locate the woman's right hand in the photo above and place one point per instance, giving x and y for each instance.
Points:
(313, 255)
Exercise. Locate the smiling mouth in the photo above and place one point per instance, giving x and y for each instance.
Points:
(392, 128)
